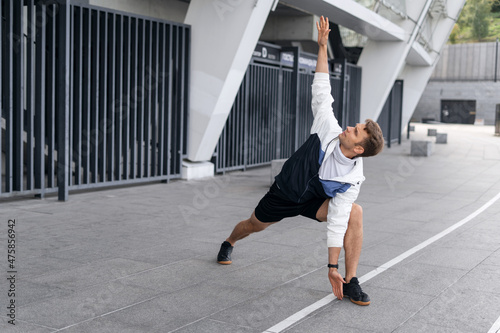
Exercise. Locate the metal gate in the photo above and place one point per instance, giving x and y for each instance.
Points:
(90, 97)
(391, 116)
(271, 116)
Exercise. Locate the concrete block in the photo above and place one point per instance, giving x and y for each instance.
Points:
(441, 137)
(196, 170)
(276, 166)
(421, 148)
(431, 132)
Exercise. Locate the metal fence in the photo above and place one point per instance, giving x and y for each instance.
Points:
(271, 116)
(391, 116)
(90, 97)
(468, 62)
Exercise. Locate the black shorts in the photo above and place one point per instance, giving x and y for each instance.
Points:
(273, 208)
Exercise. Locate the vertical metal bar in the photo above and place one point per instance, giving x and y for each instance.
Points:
(77, 86)
(87, 99)
(147, 98)
(63, 98)
(185, 88)
(175, 101)
(134, 104)
(390, 99)
(71, 98)
(126, 94)
(496, 60)
(140, 109)
(154, 99)
(161, 100)
(7, 91)
(18, 94)
(103, 97)
(30, 96)
(1, 92)
(400, 111)
(168, 135)
(51, 96)
(119, 107)
(110, 125)
(182, 63)
(95, 36)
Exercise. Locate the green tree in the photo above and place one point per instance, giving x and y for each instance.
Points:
(495, 6)
(476, 14)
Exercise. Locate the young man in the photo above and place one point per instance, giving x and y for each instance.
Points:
(321, 180)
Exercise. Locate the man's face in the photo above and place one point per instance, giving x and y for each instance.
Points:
(352, 137)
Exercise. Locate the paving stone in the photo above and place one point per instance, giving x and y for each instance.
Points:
(210, 325)
(417, 278)
(84, 304)
(94, 273)
(388, 309)
(462, 309)
(181, 308)
(22, 327)
(268, 308)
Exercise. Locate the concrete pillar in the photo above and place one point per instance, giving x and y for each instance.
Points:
(382, 62)
(416, 77)
(223, 36)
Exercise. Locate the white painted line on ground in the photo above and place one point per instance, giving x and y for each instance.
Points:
(496, 327)
(328, 299)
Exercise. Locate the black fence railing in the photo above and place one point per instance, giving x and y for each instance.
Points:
(271, 116)
(89, 98)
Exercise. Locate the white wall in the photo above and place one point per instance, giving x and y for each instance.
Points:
(486, 95)
(172, 10)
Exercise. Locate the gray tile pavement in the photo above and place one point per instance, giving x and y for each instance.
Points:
(142, 258)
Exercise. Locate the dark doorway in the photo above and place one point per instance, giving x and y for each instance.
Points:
(458, 111)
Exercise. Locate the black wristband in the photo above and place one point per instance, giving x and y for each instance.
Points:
(333, 266)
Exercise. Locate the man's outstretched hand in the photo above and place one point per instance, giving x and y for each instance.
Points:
(323, 31)
(337, 283)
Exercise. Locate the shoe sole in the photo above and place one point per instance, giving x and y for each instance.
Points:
(224, 262)
(359, 302)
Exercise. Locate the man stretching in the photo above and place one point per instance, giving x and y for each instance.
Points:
(321, 180)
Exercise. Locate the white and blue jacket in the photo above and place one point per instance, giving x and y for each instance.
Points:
(299, 180)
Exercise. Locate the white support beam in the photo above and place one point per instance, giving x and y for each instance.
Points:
(416, 78)
(382, 62)
(224, 34)
(354, 16)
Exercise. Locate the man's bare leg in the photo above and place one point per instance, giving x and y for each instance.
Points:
(246, 228)
(240, 231)
(353, 239)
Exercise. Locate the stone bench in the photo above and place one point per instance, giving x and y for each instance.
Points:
(421, 148)
(441, 138)
(276, 166)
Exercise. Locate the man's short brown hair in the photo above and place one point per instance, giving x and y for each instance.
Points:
(375, 141)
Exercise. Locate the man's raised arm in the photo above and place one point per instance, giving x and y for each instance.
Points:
(323, 31)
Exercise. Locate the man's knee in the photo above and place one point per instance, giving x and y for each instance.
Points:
(356, 216)
(258, 225)
(357, 210)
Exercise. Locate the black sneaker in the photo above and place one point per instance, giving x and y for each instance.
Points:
(224, 256)
(354, 292)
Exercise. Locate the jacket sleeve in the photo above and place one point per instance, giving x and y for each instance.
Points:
(339, 210)
(325, 124)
